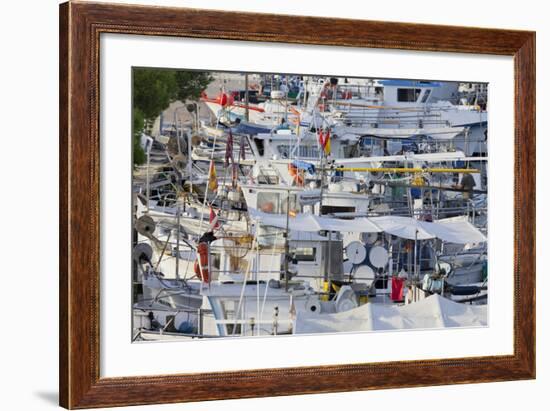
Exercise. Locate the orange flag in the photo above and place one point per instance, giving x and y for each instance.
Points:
(327, 143)
(212, 180)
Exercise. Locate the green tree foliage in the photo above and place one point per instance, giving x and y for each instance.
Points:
(154, 90)
(138, 125)
(191, 84)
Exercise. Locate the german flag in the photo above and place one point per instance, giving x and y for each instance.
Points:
(324, 141)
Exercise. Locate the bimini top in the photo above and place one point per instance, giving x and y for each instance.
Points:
(458, 231)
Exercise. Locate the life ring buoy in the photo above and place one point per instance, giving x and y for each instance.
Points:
(201, 265)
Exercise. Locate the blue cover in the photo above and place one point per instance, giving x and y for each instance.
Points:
(304, 165)
(250, 129)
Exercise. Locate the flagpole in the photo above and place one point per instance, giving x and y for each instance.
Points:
(286, 238)
(246, 98)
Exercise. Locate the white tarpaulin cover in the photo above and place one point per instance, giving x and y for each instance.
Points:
(432, 312)
(404, 227)
(437, 133)
(425, 157)
(456, 231)
(313, 223)
(451, 230)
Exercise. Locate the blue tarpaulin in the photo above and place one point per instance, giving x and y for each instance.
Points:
(250, 129)
(304, 165)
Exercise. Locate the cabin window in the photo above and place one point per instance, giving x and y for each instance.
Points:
(284, 151)
(215, 261)
(305, 253)
(229, 308)
(381, 283)
(326, 209)
(294, 208)
(408, 95)
(260, 146)
(268, 202)
(276, 203)
(303, 151)
(426, 95)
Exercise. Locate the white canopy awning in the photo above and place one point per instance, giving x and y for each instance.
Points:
(437, 133)
(404, 227)
(314, 223)
(458, 231)
(410, 157)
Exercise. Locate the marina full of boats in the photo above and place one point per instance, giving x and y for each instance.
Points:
(286, 204)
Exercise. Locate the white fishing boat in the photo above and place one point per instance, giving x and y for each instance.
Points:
(327, 215)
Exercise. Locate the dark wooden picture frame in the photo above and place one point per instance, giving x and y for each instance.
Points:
(80, 27)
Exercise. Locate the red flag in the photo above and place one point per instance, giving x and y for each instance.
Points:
(321, 138)
(213, 219)
(397, 286)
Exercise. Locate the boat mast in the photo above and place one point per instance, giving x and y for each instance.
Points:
(285, 265)
(246, 98)
(178, 213)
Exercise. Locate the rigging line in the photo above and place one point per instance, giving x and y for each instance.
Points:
(245, 279)
(267, 285)
(209, 173)
(163, 251)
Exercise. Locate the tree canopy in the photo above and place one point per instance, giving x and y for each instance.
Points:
(153, 91)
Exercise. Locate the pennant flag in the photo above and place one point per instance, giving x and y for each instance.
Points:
(229, 149)
(327, 143)
(212, 181)
(213, 219)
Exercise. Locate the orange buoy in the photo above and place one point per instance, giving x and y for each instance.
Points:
(225, 100)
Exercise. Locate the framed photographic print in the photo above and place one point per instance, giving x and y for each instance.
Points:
(257, 205)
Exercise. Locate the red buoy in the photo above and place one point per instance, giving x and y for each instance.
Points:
(224, 99)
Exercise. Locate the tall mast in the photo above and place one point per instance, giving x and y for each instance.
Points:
(246, 98)
(285, 265)
(178, 243)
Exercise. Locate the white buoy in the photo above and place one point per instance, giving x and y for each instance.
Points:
(378, 256)
(356, 252)
(364, 275)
